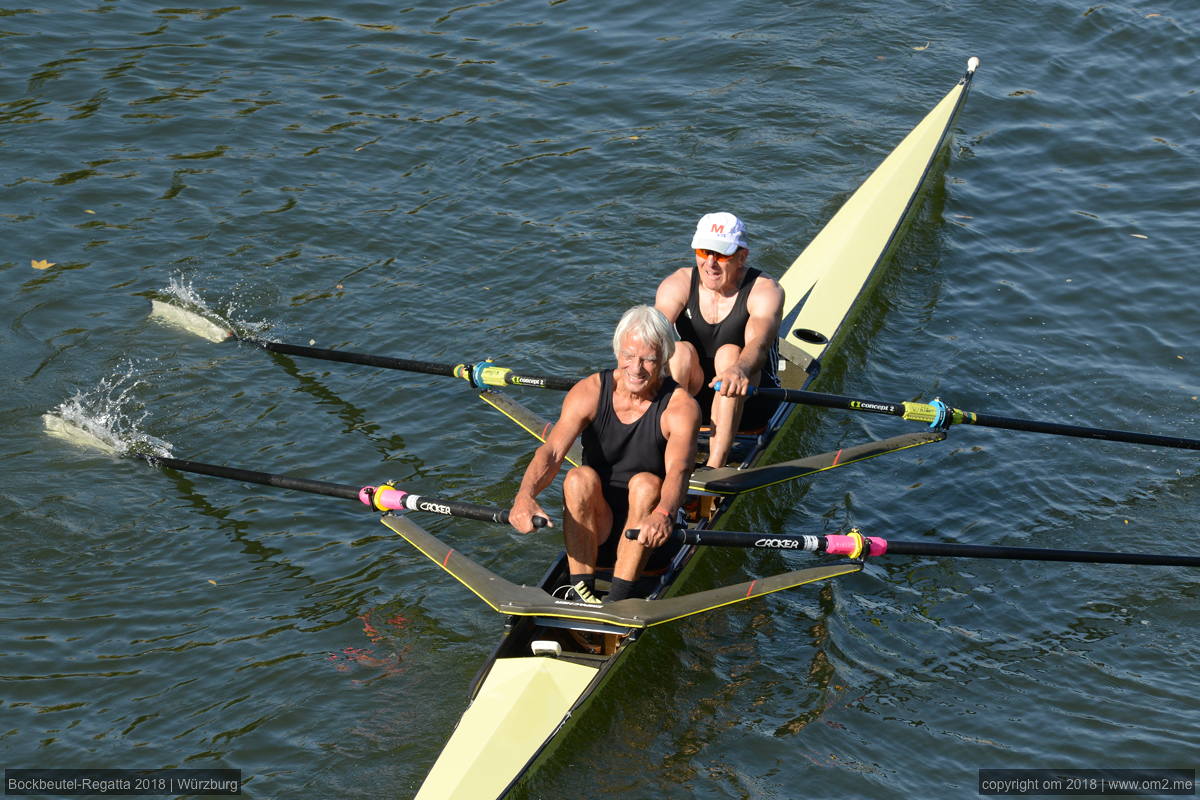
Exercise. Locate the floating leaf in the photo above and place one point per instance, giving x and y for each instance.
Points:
(210, 580)
(1139, 236)
(923, 47)
(88, 211)
(1148, 16)
(36, 264)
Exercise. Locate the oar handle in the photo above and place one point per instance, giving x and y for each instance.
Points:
(388, 498)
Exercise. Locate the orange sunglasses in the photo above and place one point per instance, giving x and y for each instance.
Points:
(721, 257)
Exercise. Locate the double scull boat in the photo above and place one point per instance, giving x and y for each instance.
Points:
(555, 654)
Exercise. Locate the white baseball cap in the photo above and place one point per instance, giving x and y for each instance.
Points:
(722, 232)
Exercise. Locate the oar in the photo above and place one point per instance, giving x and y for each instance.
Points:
(385, 497)
(938, 414)
(480, 374)
(855, 545)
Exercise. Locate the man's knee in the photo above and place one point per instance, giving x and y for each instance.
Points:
(644, 489)
(726, 356)
(685, 367)
(686, 351)
(582, 484)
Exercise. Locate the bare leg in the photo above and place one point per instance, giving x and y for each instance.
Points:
(685, 367)
(587, 519)
(644, 489)
(726, 411)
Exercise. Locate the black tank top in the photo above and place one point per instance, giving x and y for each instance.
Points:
(618, 451)
(708, 338)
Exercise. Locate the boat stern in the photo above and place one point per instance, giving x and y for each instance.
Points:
(520, 706)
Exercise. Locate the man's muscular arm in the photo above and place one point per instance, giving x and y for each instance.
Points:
(579, 406)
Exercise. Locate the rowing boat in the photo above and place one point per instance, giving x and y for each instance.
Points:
(554, 654)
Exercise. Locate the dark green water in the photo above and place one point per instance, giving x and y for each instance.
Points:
(502, 179)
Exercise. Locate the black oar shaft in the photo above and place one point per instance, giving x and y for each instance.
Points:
(1037, 554)
(366, 359)
(1034, 426)
(395, 498)
(251, 476)
(841, 544)
(480, 374)
(944, 415)
(823, 400)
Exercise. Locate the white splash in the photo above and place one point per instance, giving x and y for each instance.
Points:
(183, 307)
(106, 418)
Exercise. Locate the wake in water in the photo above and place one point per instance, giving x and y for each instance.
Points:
(107, 418)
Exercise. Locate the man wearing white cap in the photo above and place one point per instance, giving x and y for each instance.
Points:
(728, 318)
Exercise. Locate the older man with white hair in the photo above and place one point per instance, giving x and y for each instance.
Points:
(639, 447)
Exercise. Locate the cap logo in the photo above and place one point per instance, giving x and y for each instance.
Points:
(717, 228)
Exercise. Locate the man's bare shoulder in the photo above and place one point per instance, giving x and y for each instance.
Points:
(766, 295)
(765, 283)
(684, 410)
(583, 397)
(678, 281)
(672, 294)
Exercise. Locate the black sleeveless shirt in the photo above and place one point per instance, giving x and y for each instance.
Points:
(709, 338)
(618, 451)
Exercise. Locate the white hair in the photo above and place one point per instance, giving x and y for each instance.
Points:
(652, 327)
